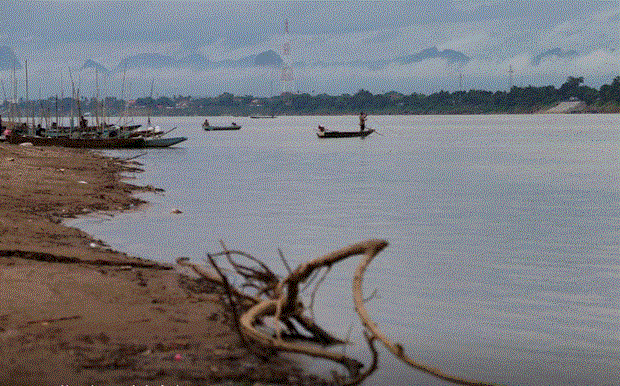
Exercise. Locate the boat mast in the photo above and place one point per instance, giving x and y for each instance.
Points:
(124, 120)
(62, 101)
(56, 106)
(148, 120)
(3, 91)
(40, 108)
(13, 108)
(71, 123)
(26, 104)
(97, 98)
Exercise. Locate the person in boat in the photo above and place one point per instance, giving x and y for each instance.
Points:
(83, 122)
(321, 129)
(362, 121)
(205, 123)
(40, 130)
(3, 131)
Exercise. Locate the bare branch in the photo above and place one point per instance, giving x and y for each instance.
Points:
(394, 348)
(373, 366)
(304, 270)
(268, 307)
(279, 299)
(288, 268)
(233, 304)
(316, 289)
(216, 278)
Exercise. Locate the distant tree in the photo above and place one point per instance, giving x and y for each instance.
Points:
(610, 93)
(571, 87)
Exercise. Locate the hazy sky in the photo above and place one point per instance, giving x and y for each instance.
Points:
(202, 22)
(496, 34)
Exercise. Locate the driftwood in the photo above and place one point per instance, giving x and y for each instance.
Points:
(264, 297)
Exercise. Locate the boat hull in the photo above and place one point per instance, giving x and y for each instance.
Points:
(215, 128)
(89, 143)
(344, 134)
(163, 142)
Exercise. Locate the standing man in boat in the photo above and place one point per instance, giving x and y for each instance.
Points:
(362, 121)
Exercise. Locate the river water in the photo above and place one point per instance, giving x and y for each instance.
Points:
(504, 255)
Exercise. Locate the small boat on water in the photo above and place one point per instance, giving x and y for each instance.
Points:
(207, 127)
(262, 116)
(323, 133)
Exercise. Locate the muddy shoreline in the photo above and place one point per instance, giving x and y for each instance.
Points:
(75, 312)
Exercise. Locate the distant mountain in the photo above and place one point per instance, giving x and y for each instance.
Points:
(147, 61)
(554, 53)
(197, 61)
(451, 56)
(268, 58)
(8, 60)
(96, 66)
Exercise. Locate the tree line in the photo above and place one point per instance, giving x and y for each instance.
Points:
(517, 100)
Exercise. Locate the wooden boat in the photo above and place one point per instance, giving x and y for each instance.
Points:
(234, 126)
(343, 134)
(89, 143)
(163, 142)
(262, 116)
(115, 142)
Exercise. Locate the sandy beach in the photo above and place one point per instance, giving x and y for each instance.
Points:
(75, 312)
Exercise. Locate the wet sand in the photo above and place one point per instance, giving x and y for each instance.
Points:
(75, 312)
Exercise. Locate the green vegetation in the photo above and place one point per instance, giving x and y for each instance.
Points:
(519, 100)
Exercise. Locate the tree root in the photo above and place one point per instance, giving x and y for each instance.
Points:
(278, 299)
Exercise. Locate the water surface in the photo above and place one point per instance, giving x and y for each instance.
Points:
(503, 263)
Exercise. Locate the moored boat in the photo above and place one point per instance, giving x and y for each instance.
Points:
(163, 142)
(90, 143)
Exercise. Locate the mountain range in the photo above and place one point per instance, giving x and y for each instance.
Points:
(270, 58)
(477, 53)
(196, 61)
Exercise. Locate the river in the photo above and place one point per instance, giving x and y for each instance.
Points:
(504, 255)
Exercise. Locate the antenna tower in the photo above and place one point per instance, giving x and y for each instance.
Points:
(511, 73)
(287, 71)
